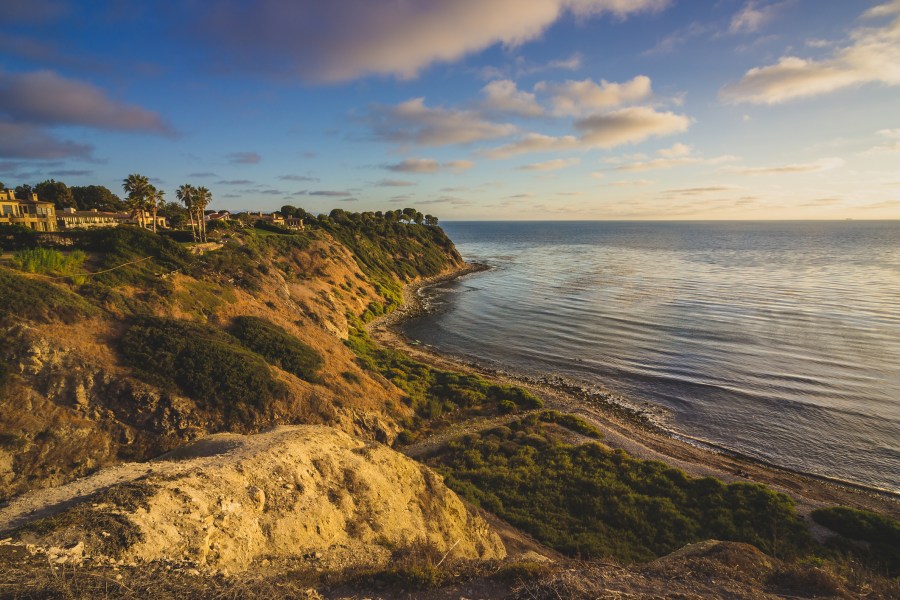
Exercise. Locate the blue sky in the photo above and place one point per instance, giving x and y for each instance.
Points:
(467, 109)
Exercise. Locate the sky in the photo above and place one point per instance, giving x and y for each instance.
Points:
(465, 109)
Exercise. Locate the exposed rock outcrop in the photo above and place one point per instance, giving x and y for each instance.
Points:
(228, 500)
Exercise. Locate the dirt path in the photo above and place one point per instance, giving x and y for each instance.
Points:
(638, 439)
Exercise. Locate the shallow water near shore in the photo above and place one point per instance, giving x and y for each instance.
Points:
(780, 341)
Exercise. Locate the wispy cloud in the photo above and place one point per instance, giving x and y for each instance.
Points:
(427, 165)
(412, 122)
(606, 130)
(678, 155)
(70, 173)
(753, 16)
(234, 182)
(551, 165)
(824, 164)
(244, 158)
(871, 56)
(395, 183)
(297, 178)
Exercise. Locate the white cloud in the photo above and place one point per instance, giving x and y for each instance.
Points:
(575, 98)
(678, 150)
(551, 165)
(502, 96)
(413, 122)
(823, 164)
(607, 130)
(871, 56)
(889, 133)
(534, 142)
(883, 10)
(629, 126)
(341, 40)
(753, 16)
(678, 155)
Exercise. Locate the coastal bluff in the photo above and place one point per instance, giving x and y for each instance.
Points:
(228, 501)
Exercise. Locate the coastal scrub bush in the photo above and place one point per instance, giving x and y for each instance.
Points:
(203, 362)
(27, 298)
(133, 256)
(47, 261)
(278, 347)
(435, 394)
(879, 534)
(390, 251)
(591, 501)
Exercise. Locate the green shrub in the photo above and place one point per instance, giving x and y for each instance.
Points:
(205, 363)
(277, 347)
(31, 299)
(880, 535)
(435, 394)
(588, 500)
(134, 256)
(14, 237)
(571, 422)
(47, 261)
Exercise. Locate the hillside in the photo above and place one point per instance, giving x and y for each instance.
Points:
(134, 360)
(209, 420)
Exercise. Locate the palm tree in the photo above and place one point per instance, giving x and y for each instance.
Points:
(155, 198)
(202, 199)
(138, 188)
(186, 193)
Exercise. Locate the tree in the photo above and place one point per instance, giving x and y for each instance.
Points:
(155, 198)
(23, 192)
(186, 193)
(2, 186)
(202, 198)
(138, 189)
(431, 221)
(56, 192)
(96, 197)
(175, 213)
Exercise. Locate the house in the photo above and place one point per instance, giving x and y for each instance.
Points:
(293, 223)
(71, 218)
(273, 218)
(223, 215)
(33, 213)
(147, 220)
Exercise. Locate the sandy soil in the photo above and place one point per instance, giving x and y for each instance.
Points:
(638, 438)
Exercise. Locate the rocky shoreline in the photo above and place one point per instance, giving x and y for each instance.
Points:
(628, 427)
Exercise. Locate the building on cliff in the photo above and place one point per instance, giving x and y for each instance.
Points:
(33, 213)
(71, 218)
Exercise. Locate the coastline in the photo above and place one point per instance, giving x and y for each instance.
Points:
(622, 427)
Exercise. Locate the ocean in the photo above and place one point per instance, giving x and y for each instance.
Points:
(775, 340)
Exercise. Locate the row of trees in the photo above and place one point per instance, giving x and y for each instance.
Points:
(143, 197)
(86, 197)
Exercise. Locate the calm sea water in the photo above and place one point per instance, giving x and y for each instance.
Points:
(776, 340)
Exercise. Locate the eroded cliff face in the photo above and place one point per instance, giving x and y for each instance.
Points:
(70, 403)
(228, 501)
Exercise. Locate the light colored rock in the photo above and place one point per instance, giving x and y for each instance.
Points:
(229, 500)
